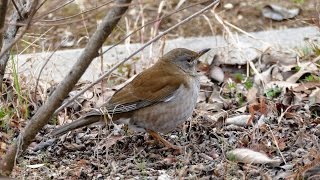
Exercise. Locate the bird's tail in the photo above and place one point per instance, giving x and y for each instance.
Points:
(84, 121)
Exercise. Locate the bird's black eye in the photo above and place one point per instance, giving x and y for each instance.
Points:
(189, 60)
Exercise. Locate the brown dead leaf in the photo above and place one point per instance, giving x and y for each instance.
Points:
(306, 86)
(74, 146)
(282, 143)
(113, 140)
(169, 160)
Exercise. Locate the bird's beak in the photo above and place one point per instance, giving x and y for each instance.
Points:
(202, 52)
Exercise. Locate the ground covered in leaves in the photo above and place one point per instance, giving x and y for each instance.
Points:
(258, 121)
(238, 130)
(109, 153)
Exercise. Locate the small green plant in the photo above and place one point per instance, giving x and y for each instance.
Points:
(22, 102)
(315, 48)
(273, 92)
(248, 84)
(311, 48)
(240, 98)
(232, 85)
(142, 167)
(16, 80)
(5, 114)
(297, 68)
(315, 114)
(231, 157)
(54, 121)
(238, 77)
(2, 113)
(309, 78)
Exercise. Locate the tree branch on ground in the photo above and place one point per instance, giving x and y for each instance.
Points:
(45, 112)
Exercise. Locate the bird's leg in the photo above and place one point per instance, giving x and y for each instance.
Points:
(166, 143)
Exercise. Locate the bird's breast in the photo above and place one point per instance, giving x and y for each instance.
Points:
(165, 116)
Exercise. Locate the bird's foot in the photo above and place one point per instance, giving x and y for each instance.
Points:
(167, 144)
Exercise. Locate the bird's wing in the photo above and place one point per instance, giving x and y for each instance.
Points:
(146, 89)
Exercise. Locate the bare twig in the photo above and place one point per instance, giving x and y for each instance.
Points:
(59, 23)
(42, 68)
(53, 10)
(136, 52)
(32, 12)
(17, 9)
(33, 43)
(3, 10)
(72, 16)
(233, 41)
(277, 145)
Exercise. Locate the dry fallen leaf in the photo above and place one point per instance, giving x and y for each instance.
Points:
(216, 73)
(305, 67)
(307, 86)
(251, 157)
(279, 13)
(113, 140)
(314, 97)
(271, 74)
(240, 120)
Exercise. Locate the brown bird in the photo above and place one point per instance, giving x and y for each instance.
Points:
(157, 100)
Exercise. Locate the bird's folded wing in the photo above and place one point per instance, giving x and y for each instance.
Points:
(144, 92)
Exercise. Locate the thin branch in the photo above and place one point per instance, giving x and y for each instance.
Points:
(41, 70)
(136, 52)
(9, 46)
(75, 15)
(57, 24)
(53, 10)
(17, 9)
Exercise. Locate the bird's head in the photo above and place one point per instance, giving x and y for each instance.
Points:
(184, 59)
